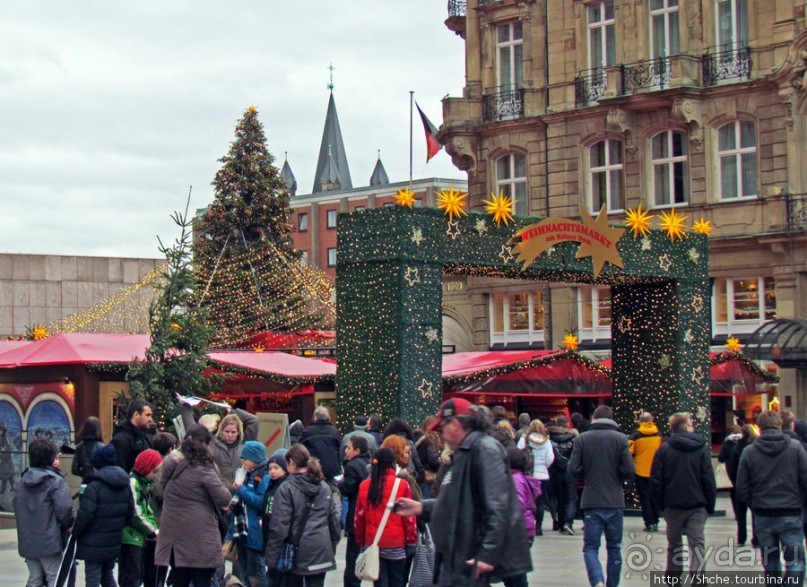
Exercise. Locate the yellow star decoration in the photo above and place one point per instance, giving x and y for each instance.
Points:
(251, 108)
(702, 226)
(733, 344)
(600, 254)
(40, 332)
(452, 202)
(404, 197)
(638, 221)
(570, 342)
(501, 207)
(258, 348)
(673, 224)
(426, 389)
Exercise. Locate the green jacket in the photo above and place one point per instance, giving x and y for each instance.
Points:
(144, 522)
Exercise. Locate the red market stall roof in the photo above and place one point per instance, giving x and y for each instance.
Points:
(546, 373)
(269, 339)
(76, 349)
(281, 367)
(729, 369)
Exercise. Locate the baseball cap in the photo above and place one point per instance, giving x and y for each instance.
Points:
(451, 408)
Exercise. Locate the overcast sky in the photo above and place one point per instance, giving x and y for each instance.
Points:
(109, 111)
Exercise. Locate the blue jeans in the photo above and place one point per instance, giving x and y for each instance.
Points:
(393, 573)
(100, 574)
(597, 521)
(253, 566)
(781, 535)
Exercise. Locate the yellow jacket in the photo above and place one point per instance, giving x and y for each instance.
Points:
(644, 443)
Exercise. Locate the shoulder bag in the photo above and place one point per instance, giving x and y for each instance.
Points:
(368, 565)
(288, 550)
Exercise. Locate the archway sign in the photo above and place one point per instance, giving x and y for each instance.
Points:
(390, 263)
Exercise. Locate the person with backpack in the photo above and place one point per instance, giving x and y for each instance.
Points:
(246, 511)
(562, 486)
(528, 489)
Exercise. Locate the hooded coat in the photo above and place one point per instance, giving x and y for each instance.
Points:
(44, 512)
(644, 443)
(682, 477)
(543, 455)
(315, 553)
(252, 494)
(105, 508)
(772, 476)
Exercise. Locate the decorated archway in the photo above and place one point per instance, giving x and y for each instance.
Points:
(390, 263)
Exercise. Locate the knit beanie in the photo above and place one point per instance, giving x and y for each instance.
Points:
(104, 456)
(253, 451)
(147, 461)
(279, 458)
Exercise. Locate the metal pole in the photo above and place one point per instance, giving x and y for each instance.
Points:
(411, 100)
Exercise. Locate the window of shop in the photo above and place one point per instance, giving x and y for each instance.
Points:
(742, 305)
(517, 318)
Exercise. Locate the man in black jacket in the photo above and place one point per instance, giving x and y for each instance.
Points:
(601, 459)
(132, 436)
(322, 439)
(476, 521)
(683, 485)
(357, 469)
(772, 480)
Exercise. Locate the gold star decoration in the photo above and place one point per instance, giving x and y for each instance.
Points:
(625, 324)
(417, 236)
(252, 109)
(404, 197)
(665, 262)
(426, 389)
(697, 304)
(259, 348)
(432, 334)
(481, 227)
(733, 344)
(40, 332)
(673, 224)
(507, 253)
(501, 207)
(453, 229)
(646, 244)
(638, 221)
(452, 202)
(694, 255)
(697, 375)
(570, 342)
(664, 361)
(688, 338)
(412, 276)
(702, 226)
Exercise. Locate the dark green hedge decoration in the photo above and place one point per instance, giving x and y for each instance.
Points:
(390, 263)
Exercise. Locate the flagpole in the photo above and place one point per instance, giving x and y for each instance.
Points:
(411, 99)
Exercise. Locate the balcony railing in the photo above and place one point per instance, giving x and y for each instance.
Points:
(726, 62)
(456, 8)
(589, 85)
(796, 212)
(503, 105)
(652, 73)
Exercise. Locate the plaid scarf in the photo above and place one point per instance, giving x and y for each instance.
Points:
(240, 521)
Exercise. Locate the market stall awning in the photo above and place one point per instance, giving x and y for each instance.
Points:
(76, 349)
(547, 373)
(279, 366)
(735, 374)
(310, 338)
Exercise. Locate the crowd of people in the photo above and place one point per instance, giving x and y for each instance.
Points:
(458, 500)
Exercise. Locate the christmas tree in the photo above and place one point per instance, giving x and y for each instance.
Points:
(250, 275)
(180, 334)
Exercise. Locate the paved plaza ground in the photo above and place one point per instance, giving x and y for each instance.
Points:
(557, 560)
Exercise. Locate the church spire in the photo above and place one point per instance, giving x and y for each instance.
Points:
(332, 149)
(287, 176)
(379, 176)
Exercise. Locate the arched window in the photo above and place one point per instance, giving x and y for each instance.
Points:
(511, 180)
(737, 153)
(670, 169)
(606, 185)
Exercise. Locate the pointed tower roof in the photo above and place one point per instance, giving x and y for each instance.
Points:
(330, 178)
(332, 148)
(287, 176)
(379, 176)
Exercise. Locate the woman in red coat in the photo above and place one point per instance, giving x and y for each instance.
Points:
(399, 531)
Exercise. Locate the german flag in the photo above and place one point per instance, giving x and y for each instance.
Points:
(432, 145)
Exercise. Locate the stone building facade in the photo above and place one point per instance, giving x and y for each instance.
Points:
(696, 105)
(47, 289)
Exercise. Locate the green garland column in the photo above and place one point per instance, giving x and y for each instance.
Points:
(389, 325)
